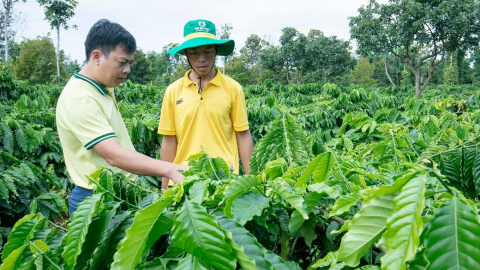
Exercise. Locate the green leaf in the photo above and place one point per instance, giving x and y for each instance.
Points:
(190, 262)
(150, 199)
(404, 225)
(348, 144)
(40, 247)
(344, 227)
(370, 267)
(249, 252)
(285, 247)
(452, 237)
(366, 227)
(149, 224)
(20, 235)
(285, 138)
(8, 143)
(288, 195)
(122, 222)
(198, 233)
(344, 203)
(105, 182)
(318, 169)
(4, 190)
(96, 230)
(419, 262)
(155, 264)
(295, 222)
(476, 173)
(29, 265)
(330, 258)
(248, 205)
(14, 260)
(277, 262)
(308, 229)
(338, 266)
(312, 199)
(237, 187)
(78, 229)
(20, 135)
(198, 191)
(399, 183)
(323, 188)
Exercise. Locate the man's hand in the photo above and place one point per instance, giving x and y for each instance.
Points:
(245, 148)
(168, 153)
(131, 161)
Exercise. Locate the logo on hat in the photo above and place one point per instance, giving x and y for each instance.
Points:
(201, 27)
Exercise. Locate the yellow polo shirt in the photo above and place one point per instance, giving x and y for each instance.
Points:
(87, 114)
(205, 121)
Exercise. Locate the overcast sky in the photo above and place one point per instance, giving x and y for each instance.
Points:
(155, 24)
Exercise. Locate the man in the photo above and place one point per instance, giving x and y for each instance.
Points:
(204, 109)
(90, 127)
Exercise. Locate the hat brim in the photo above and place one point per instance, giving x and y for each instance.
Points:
(225, 46)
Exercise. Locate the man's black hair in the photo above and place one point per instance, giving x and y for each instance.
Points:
(106, 36)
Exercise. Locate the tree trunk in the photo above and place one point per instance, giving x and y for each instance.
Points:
(288, 79)
(418, 91)
(58, 51)
(386, 72)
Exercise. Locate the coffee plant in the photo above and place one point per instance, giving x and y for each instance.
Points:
(342, 178)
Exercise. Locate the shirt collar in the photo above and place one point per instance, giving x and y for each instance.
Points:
(100, 88)
(215, 81)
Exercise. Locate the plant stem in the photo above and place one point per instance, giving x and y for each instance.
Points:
(55, 225)
(109, 192)
(293, 246)
(394, 144)
(340, 169)
(41, 252)
(439, 177)
(289, 155)
(453, 149)
(213, 168)
(336, 219)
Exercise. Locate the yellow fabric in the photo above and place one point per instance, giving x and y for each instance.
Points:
(197, 35)
(205, 121)
(86, 117)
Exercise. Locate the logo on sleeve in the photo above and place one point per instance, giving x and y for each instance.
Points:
(180, 101)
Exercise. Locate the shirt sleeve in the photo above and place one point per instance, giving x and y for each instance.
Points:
(239, 111)
(167, 115)
(88, 122)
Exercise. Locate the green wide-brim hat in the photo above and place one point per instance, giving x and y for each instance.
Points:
(202, 32)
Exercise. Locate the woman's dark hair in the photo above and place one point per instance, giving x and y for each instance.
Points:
(106, 36)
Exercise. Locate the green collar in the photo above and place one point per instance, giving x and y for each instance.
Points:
(100, 88)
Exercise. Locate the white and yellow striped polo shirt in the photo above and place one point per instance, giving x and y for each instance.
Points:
(87, 114)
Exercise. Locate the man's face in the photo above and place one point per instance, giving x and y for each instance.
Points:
(202, 58)
(114, 68)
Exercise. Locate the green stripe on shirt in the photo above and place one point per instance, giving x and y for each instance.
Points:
(92, 143)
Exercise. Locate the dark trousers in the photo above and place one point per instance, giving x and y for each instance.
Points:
(78, 195)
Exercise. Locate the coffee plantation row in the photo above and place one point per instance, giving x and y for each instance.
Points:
(343, 178)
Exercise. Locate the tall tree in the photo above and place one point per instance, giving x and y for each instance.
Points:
(224, 33)
(253, 48)
(35, 62)
(141, 69)
(328, 56)
(57, 13)
(7, 14)
(418, 32)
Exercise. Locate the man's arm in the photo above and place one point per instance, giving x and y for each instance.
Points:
(131, 161)
(245, 148)
(168, 153)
